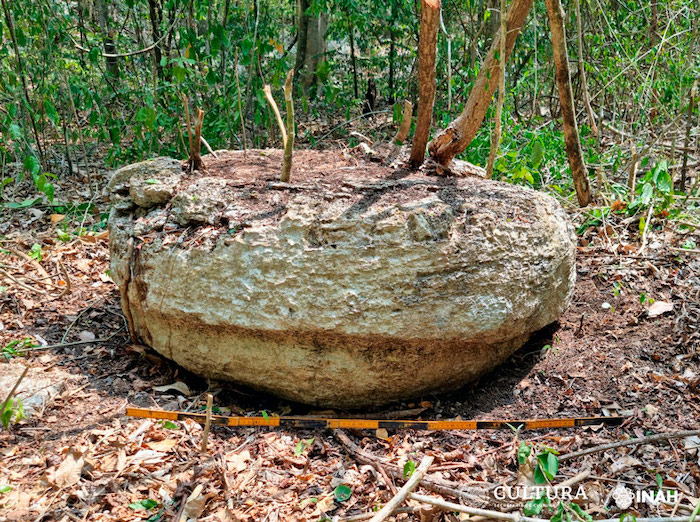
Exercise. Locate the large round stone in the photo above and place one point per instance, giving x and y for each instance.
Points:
(352, 285)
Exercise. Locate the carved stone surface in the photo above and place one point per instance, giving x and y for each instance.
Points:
(340, 288)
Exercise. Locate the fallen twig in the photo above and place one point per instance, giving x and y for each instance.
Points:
(13, 390)
(367, 516)
(206, 144)
(35, 263)
(65, 345)
(440, 486)
(21, 284)
(630, 442)
(409, 486)
(515, 517)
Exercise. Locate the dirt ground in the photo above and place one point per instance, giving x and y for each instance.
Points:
(627, 345)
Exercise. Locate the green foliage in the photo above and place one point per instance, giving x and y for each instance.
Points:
(547, 466)
(170, 425)
(302, 445)
(12, 412)
(408, 469)
(12, 349)
(570, 512)
(342, 493)
(524, 451)
(536, 505)
(73, 99)
(146, 504)
(5, 489)
(35, 252)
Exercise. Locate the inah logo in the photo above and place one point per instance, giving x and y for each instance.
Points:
(624, 496)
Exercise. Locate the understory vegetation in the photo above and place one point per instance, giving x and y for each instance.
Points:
(103, 80)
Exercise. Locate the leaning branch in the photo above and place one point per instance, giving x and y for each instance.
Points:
(275, 109)
(459, 134)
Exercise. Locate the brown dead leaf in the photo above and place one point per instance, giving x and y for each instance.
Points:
(324, 505)
(194, 505)
(659, 308)
(68, 473)
(618, 205)
(176, 386)
(381, 433)
(57, 218)
(163, 445)
(236, 462)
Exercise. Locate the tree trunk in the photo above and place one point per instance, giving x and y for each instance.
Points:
(392, 52)
(353, 59)
(497, 131)
(302, 30)
(427, 51)
(582, 69)
(459, 134)
(566, 97)
(315, 49)
(28, 111)
(155, 12)
(107, 37)
(311, 43)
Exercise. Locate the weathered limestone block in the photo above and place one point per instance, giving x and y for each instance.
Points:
(345, 287)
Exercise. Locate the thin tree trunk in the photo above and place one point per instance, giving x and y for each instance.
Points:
(582, 70)
(392, 52)
(686, 140)
(302, 31)
(25, 88)
(107, 37)
(427, 51)
(462, 130)
(496, 140)
(566, 97)
(156, 15)
(353, 60)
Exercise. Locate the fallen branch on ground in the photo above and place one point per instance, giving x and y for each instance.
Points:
(440, 486)
(630, 442)
(515, 517)
(412, 483)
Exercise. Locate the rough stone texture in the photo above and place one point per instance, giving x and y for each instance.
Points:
(339, 289)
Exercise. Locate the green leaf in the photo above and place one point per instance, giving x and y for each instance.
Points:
(523, 453)
(35, 252)
(630, 516)
(547, 467)
(647, 194)
(537, 154)
(5, 489)
(659, 480)
(152, 181)
(558, 516)
(265, 415)
(170, 425)
(536, 505)
(342, 493)
(664, 183)
(32, 165)
(580, 512)
(299, 449)
(144, 504)
(408, 469)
